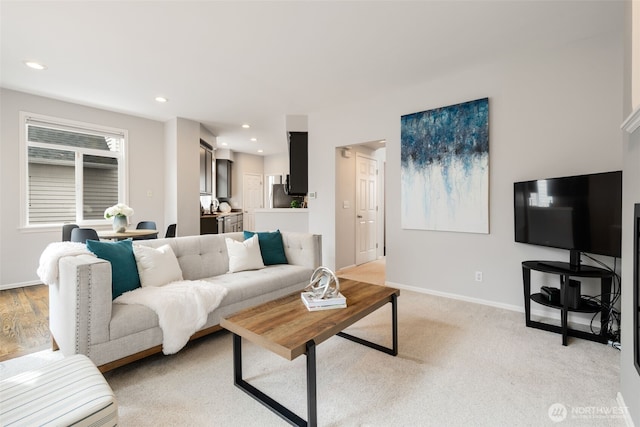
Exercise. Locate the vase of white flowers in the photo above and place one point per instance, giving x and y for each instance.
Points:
(119, 213)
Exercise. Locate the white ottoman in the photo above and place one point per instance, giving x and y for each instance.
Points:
(69, 391)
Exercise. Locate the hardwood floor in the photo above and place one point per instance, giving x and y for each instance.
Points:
(24, 312)
(371, 272)
(24, 317)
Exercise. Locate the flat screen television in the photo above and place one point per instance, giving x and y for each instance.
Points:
(579, 213)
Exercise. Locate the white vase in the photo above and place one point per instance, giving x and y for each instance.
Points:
(119, 223)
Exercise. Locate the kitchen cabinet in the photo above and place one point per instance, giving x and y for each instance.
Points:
(206, 173)
(221, 223)
(223, 179)
(233, 223)
(208, 224)
(298, 179)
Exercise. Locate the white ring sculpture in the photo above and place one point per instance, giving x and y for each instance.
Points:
(323, 283)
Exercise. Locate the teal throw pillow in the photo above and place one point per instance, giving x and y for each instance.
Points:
(124, 271)
(271, 246)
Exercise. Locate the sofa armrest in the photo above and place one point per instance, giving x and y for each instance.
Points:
(80, 304)
(303, 249)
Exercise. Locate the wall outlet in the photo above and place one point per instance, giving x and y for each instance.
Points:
(478, 276)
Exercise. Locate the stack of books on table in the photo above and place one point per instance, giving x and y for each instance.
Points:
(314, 304)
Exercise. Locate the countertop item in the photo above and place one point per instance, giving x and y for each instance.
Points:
(224, 207)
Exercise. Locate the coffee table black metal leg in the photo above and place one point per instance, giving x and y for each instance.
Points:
(394, 331)
(237, 359)
(312, 407)
(269, 402)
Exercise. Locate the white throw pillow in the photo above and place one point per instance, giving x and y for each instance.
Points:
(244, 255)
(156, 267)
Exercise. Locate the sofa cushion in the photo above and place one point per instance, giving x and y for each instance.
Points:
(249, 284)
(244, 255)
(124, 272)
(156, 267)
(271, 246)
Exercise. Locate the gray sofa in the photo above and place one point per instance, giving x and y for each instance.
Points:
(84, 320)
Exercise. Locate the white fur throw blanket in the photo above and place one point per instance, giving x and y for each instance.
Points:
(182, 308)
(48, 268)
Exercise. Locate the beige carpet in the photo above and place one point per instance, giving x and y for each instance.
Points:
(460, 364)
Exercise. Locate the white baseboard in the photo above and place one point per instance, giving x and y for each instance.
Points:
(19, 285)
(457, 297)
(627, 416)
(548, 314)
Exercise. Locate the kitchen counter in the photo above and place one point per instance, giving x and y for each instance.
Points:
(219, 214)
(282, 210)
(283, 219)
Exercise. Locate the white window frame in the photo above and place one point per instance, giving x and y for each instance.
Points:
(26, 119)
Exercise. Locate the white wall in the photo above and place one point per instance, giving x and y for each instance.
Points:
(635, 56)
(207, 136)
(20, 249)
(276, 164)
(552, 113)
(187, 163)
(171, 173)
(629, 376)
(345, 216)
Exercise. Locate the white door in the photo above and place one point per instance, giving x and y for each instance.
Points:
(366, 208)
(251, 198)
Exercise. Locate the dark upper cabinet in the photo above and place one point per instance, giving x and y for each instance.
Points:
(298, 179)
(206, 172)
(223, 179)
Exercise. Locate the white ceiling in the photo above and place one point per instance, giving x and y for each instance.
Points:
(224, 63)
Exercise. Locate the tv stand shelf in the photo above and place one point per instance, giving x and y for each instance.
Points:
(565, 271)
(586, 306)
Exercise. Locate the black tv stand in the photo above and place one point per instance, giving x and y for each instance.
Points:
(557, 265)
(574, 259)
(565, 271)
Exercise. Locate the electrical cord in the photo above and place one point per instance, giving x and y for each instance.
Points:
(613, 326)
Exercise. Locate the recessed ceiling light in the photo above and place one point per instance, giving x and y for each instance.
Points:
(260, 151)
(382, 141)
(246, 126)
(225, 144)
(254, 139)
(35, 65)
(161, 99)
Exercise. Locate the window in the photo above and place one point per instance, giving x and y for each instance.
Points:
(74, 171)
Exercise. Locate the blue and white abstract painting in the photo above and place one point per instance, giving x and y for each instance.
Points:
(445, 168)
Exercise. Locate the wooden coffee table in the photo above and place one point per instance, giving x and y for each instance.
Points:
(287, 328)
